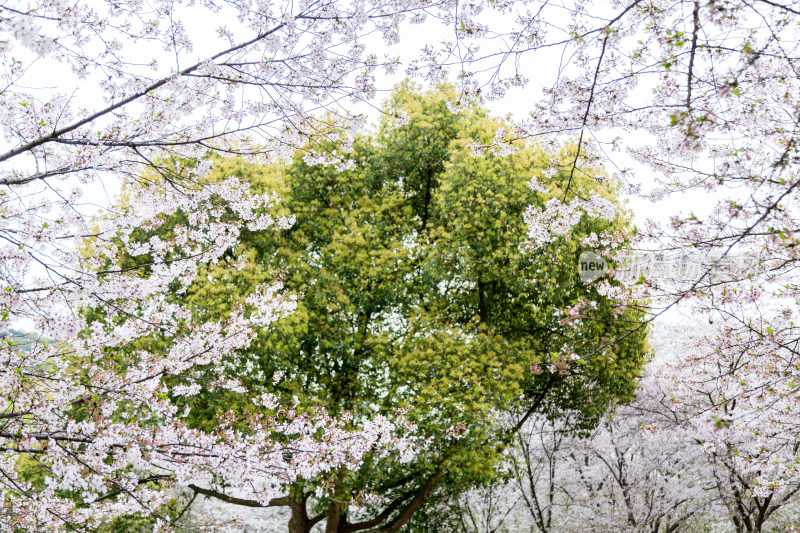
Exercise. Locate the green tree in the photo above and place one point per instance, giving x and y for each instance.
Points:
(418, 295)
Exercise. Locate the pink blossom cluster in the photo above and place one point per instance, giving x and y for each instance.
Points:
(557, 218)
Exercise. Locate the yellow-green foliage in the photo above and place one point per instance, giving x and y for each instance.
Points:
(418, 295)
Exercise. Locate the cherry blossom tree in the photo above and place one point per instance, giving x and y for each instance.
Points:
(87, 435)
(703, 95)
(638, 475)
(706, 96)
(734, 393)
(634, 472)
(702, 92)
(709, 441)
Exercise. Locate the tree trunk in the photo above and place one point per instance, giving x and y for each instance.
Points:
(334, 517)
(298, 523)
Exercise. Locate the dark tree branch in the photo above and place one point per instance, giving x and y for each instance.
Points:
(283, 501)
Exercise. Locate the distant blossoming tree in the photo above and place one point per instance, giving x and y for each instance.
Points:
(735, 397)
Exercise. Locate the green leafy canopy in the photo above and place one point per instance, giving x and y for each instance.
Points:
(418, 294)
